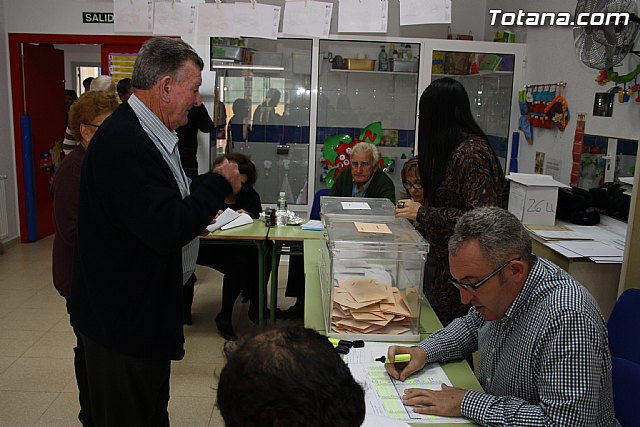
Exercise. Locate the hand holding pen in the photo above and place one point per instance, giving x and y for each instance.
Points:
(400, 370)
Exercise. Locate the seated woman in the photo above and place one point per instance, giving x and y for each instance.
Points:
(238, 263)
(413, 186)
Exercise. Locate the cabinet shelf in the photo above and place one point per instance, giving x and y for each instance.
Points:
(374, 72)
(482, 73)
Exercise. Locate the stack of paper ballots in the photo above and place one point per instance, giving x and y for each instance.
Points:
(364, 306)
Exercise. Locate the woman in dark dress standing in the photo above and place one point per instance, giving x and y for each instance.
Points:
(459, 172)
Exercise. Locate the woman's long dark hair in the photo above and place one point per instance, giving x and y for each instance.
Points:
(445, 115)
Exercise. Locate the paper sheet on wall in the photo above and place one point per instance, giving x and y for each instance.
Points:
(414, 12)
(363, 16)
(258, 20)
(383, 393)
(175, 19)
(307, 18)
(215, 20)
(132, 16)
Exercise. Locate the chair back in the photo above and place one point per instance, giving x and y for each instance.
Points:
(624, 326)
(315, 207)
(626, 393)
(624, 343)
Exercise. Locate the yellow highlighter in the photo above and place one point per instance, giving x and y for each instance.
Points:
(399, 358)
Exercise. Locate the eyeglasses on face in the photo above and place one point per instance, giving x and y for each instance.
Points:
(472, 287)
(408, 185)
(92, 125)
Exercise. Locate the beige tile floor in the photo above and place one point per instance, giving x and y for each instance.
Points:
(37, 381)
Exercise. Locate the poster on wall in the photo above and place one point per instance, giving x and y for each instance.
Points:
(307, 18)
(363, 16)
(215, 20)
(415, 12)
(257, 20)
(132, 16)
(175, 19)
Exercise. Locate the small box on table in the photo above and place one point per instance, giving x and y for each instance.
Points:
(533, 198)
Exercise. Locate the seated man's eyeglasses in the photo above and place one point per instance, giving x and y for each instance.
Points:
(472, 287)
(409, 185)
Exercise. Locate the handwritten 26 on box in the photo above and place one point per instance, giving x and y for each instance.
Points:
(533, 198)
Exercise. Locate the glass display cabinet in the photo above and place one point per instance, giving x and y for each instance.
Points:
(355, 89)
(284, 97)
(492, 75)
(265, 87)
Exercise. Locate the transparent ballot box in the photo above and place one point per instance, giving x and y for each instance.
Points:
(371, 273)
(355, 208)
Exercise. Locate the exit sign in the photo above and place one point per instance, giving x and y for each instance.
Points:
(97, 17)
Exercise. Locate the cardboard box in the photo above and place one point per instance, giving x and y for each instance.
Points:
(533, 198)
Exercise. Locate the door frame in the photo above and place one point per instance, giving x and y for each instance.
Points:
(17, 96)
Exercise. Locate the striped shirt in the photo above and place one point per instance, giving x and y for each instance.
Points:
(69, 142)
(167, 143)
(546, 362)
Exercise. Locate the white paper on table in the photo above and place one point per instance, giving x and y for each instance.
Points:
(363, 16)
(257, 20)
(175, 19)
(229, 219)
(414, 12)
(383, 393)
(313, 224)
(607, 259)
(372, 420)
(371, 350)
(215, 20)
(588, 249)
(355, 205)
(560, 235)
(307, 18)
(562, 250)
(132, 16)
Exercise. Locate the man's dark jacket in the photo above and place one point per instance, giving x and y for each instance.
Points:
(132, 225)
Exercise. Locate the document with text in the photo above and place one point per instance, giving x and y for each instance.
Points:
(383, 394)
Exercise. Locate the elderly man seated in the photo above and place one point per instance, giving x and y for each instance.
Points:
(541, 340)
(364, 178)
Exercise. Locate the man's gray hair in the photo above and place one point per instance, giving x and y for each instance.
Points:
(498, 231)
(365, 147)
(159, 57)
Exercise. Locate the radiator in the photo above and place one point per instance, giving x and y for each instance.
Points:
(4, 222)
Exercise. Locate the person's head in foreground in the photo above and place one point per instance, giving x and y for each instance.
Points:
(411, 180)
(364, 162)
(288, 377)
(88, 113)
(167, 78)
(489, 259)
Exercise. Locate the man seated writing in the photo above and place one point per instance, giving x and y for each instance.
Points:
(541, 340)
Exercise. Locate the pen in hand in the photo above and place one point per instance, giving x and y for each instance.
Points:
(399, 358)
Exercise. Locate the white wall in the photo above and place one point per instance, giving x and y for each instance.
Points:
(7, 156)
(77, 53)
(551, 57)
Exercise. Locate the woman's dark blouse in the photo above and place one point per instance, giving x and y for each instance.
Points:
(473, 178)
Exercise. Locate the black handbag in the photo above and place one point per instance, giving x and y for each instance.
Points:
(577, 206)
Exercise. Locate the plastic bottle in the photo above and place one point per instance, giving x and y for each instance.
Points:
(394, 51)
(383, 61)
(408, 54)
(282, 213)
